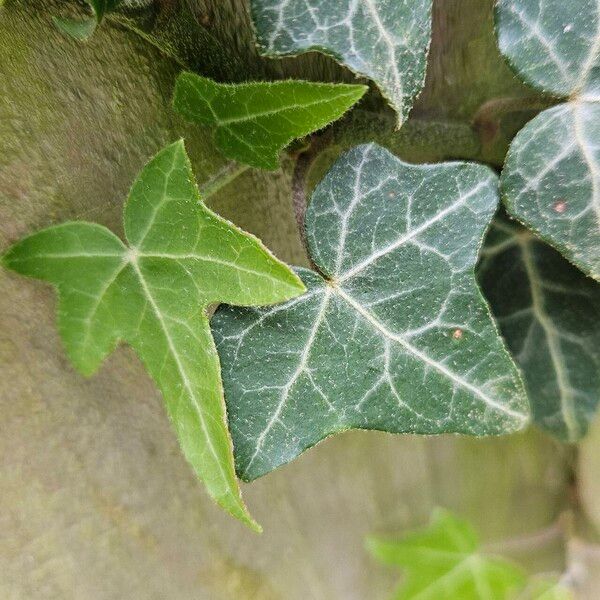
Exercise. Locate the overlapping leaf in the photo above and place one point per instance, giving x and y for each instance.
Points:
(383, 40)
(549, 314)
(394, 336)
(153, 295)
(255, 121)
(551, 179)
(445, 561)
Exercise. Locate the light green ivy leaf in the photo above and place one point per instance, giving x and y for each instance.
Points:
(255, 121)
(445, 561)
(393, 335)
(549, 315)
(153, 293)
(551, 179)
(383, 40)
(82, 30)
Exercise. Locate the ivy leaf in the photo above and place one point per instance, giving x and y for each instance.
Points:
(153, 294)
(551, 322)
(384, 41)
(551, 179)
(101, 7)
(445, 561)
(394, 335)
(255, 121)
(82, 30)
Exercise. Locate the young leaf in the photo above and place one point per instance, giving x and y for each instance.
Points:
(551, 179)
(445, 561)
(255, 121)
(551, 322)
(82, 30)
(153, 294)
(395, 336)
(384, 41)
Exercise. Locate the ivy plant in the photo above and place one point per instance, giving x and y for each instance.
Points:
(153, 293)
(446, 560)
(384, 41)
(255, 121)
(551, 322)
(82, 29)
(393, 333)
(551, 179)
(388, 330)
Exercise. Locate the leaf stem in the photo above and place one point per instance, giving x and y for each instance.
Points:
(555, 533)
(130, 26)
(303, 164)
(486, 120)
(225, 176)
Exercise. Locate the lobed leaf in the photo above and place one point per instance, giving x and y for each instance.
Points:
(445, 560)
(551, 179)
(153, 294)
(382, 40)
(549, 315)
(393, 335)
(255, 121)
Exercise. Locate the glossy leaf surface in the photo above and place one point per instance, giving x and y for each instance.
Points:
(386, 41)
(394, 335)
(551, 179)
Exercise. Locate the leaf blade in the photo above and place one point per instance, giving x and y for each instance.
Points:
(444, 560)
(386, 42)
(157, 304)
(551, 178)
(387, 339)
(254, 121)
(551, 322)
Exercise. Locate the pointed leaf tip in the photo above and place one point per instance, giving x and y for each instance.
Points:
(153, 294)
(254, 121)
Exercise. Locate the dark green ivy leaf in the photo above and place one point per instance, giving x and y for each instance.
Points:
(386, 41)
(549, 315)
(551, 179)
(393, 335)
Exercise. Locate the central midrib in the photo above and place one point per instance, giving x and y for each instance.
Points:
(380, 327)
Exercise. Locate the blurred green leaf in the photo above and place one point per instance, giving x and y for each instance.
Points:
(445, 561)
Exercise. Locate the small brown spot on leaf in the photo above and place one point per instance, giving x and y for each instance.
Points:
(457, 334)
(559, 206)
